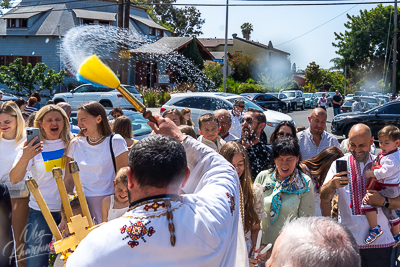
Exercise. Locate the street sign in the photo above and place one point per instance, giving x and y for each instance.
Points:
(219, 60)
(229, 70)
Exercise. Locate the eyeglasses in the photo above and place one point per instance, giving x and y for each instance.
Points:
(249, 120)
(282, 134)
(241, 106)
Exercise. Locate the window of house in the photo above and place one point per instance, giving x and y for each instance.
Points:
(88, 21)
(6, 60)
(103, 22)
(151, 31)
(17, 23)
(159, 33)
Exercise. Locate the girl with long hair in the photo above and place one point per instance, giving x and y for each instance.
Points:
(283, 129)
(12, 138)
(99, 155)
(252, 196)
(186, 113)
(123, 127)
(38, 161)
(174, 115)
(317, 168)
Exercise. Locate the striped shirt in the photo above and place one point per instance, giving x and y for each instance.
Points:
(30, 110)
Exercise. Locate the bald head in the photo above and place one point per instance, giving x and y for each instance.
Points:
(360, 130)
(66, 107)
(224, 120)
(318, 112)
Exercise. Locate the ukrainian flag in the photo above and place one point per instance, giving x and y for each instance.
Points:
(53, 159)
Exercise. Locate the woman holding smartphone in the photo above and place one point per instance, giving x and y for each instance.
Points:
(40, 159)
(12, 138)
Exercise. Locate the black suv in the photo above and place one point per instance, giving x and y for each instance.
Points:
(376, 119)
(266, 101)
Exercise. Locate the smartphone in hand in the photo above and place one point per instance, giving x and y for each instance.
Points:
(341, 166)
(32, 133)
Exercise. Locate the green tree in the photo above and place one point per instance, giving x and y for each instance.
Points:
(184, 21)
(213, 71)
(363, 46)
(313, 75)
(247, 28)
(192, 52)
(4, 4)
(241, 66)
(24, 79)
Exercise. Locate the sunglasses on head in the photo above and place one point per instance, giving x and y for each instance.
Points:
(282, 134)
(248, 120)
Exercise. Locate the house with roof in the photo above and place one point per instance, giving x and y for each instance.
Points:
(266, 53)
(157, 63)
(33, 30)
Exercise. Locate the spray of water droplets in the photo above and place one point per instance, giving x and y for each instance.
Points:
(105, 41)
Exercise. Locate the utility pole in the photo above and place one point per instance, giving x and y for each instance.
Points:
(120, 13)
(226, 47)
(127, 13)
(394, 77)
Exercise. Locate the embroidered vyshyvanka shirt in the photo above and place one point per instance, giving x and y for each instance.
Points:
(205, 222)
(350, 200)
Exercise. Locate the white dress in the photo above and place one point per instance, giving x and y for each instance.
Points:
(115, 213)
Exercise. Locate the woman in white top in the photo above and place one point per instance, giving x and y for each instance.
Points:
(12, 138)
(317, 167)
(322, 101)
(91, 150)
(40, 159)
(251, 195)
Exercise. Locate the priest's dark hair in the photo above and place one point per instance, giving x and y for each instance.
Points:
(158, 161)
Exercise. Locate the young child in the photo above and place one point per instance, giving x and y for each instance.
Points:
(387, 174)
(116, 205)
(208, 129)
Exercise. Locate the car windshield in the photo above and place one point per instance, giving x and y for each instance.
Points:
(139, 124)
(307, 95)
(247, 103)
(132, 89)
(369, 100)
(319, 94)
(290, 94)
(348, 103)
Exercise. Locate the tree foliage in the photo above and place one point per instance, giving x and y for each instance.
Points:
(363, 46)
(185, 21)
(213, 71)
(313, 75)
(4, 4)
(241, 66)
(192, 52)
(24, 79)
(247, 28)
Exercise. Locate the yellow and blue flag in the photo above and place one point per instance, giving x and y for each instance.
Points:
(53, 159)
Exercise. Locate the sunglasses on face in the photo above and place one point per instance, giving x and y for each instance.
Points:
(248, 120)
(241, 106)
(282, 134)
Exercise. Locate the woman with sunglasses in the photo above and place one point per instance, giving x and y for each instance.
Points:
(283, 129)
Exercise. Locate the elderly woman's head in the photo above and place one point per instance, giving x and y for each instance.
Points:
(286, 156)
(283, 129)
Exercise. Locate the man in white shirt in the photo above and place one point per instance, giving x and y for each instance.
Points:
(315, 139)
(162, 228)
(351, 192)
(225, 123)
(236, 116)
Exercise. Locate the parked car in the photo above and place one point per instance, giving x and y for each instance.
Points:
(108, 97)
(202, 103)
(266, 101)
(347, 106)
(311, 100)
(364, 93)
(372, 101)
(318, 95)
(139, 124)
(284, 98)
(296, 99)
(376, 118)
(7, 96)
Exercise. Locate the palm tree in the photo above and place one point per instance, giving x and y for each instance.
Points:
(247, 28)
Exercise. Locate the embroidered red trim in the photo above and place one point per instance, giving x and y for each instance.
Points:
(155, 206)
(231, 201)
(136, 231)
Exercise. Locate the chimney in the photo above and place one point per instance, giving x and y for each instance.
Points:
(234, 35)
(270, 45)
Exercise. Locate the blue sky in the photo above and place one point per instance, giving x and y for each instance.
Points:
(281, 24)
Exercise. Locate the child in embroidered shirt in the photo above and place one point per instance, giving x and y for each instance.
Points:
(208, 129)
(387, 174)
(116, 205)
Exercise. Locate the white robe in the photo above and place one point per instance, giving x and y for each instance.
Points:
(206, 225)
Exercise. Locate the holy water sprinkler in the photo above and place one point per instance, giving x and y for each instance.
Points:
(94, 71)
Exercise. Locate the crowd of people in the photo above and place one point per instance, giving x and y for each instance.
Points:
(217, 197)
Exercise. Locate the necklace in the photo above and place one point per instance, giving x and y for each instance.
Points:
(96, 140)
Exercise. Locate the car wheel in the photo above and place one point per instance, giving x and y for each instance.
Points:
(58, 100)
(347, 131)
(330, 104)
(106, 104)
(279, 110)
(303, 106)
(295, 106)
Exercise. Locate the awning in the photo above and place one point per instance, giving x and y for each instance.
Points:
(148, 22)
(95, 15)
(25, 12)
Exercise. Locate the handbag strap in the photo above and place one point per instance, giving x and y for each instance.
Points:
(112, 153)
